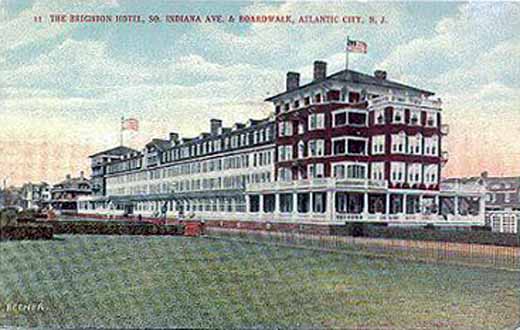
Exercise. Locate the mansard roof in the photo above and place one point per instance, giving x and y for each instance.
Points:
(116, 151)
(351, 76)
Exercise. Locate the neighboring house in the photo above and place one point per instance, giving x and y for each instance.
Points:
(502, 199)
(502, 193)
(35, 195)
(65, 194)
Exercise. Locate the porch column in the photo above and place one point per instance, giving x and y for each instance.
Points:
(295, 203)
(277, 203)
(437, 204)
(456, 206)
(311, 202)
(365, 205)
(387, 204)
(331, 210)
(247, 203)
(261, 203)
(405, 202)
(421, 205)
(482, 206)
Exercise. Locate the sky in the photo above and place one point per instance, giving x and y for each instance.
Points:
(65, 86)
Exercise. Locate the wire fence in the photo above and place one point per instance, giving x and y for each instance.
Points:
(499, 257)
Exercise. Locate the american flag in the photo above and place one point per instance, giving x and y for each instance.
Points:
(130, 124)
(356, 46)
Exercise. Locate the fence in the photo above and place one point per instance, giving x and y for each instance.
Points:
(499, 257)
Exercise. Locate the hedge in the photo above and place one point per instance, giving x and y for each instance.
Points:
(114, 228)
(480, 235)
(26, 231)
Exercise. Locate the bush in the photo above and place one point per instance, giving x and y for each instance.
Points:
(7, 218)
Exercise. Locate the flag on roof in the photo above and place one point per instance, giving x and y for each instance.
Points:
(130, 124)
(356, 46)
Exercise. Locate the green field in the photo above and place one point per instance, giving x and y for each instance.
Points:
(111, 281)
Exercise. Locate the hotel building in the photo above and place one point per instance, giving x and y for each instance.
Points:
(343, 147)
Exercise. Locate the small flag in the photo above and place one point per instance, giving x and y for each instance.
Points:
(130, 124)
(356, 46)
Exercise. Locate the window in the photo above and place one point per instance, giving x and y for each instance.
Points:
(339, 171)
(397, 171)
(286, 203)
(398, 143)
(340, 119)
(339, 147)
(333, 95)
(254, 203)
(285, 128)
(415, 117)
(353, 118)
(316, 121)
(317, 98)
(378, 144)
(316, 170)
(319, 202)
(378, 171)
(303, 202)
(415, 144)
(269, 203)
(430, 174)
(414, 173)
(379, 117)
(284, 174)
(398, 117)
(356, 171)
(316, 148)
(357, 119)
(301, 149)
(431, 145)
(354, 97)
(356, 147)
(296, 104)
(307, 100)
(284, 153)
(431, 119)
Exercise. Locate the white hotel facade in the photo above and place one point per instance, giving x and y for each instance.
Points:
(343, 147)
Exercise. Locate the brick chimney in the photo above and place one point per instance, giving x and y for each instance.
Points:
(174, 136)
(380, 74)
(293, 81)
(215, 126)
(320, 70)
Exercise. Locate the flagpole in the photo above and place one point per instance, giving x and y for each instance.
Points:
(346, 57)
(121, 129)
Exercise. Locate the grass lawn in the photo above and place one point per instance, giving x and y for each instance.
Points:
(124, 281)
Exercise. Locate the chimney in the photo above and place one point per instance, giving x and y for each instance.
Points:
(293, 81)
(67, 177)
(174, 136)
(380, 74)
(215, 126)
(82, 174)
(320, 70)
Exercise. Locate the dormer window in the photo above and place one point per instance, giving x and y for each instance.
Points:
(296, 104)
(379, 116)
(317, 98)
(307, 100)
(415, 117)
(286, 106)
(278, 108)
(398, 116)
